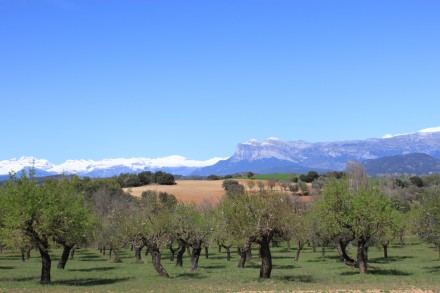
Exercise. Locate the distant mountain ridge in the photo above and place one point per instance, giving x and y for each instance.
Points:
(104, 168)
(321, 156)
(270, 156)
(409, 164)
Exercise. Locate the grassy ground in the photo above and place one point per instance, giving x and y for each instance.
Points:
(410, 267)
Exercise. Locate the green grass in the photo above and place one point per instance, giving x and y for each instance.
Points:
(413, 266)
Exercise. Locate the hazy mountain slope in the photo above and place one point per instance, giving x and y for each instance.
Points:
(416, 164)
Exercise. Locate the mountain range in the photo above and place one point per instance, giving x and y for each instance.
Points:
(269, 156)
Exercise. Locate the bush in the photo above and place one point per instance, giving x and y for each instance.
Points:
(309, 177)
(213, 177)
(233, 187)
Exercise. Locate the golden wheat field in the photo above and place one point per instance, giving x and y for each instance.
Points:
(199, 191)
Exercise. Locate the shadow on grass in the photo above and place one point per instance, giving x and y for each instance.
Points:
(6, 267)
(382, 260)
(221, 257)
(189, 275)
(392, 272)
(89, 282)
(434, 269)
(319, 259)
(104, 269)
(213, 267)
(283, 257)
(286, 267)
(12, 279)
(296, 278)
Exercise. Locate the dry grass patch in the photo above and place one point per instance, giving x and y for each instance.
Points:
(197, 191)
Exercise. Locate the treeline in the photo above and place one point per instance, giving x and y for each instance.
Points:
(145, 178)
(351, 210)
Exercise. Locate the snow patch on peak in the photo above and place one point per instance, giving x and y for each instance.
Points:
(16, 165)
(423, 131)
(430, 130)
(273, 138)
(251, 141)
(86, 166)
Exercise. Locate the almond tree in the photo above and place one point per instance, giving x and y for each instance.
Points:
(192, 228)
(256, 218)
(364, 214)
(41, 213)
(428, 223)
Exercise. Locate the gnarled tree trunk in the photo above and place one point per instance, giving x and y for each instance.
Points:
(172, 252)
(206, 252)
(46, 263)
(138, 251)
(180, 253)
(385, 249)
(155, 257)
(361, 256)
(266, 258)
(72, 252)
(64, 256)
(341, 246)
(298, 250)
(196, 250)
(228, 252)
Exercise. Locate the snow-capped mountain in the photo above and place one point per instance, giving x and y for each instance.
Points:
(274, 155)
(105, 168)
(269, 156)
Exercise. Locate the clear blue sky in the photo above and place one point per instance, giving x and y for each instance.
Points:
(106, 79)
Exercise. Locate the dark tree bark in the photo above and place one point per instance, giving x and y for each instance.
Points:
(45, 263)
(228, 252)
(298, 250)
(138, 251)
(439, 251)
(196, 250)
(103, 250)
(323, 252)
(173, 251)
(28, 253)
(341, 246)
(361, 256)
(110, 252)
(219, 248)
(72, 253)
(180, 253)
(385, 250)
(288, 244)
(64, 256)
(155, 257)
(206, 252)
(266, 258)
(244, 252)
(249, 253)
(22, 256)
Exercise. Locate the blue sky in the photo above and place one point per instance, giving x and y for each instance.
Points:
(107, 79)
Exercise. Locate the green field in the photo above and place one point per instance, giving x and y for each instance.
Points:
(413, 266)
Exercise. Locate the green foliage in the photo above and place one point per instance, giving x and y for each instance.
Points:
(252, 216)
(416, 180)
(213, 177)
(303, 187)
(309, 177)
(429, 217)
(163, 178)
(233, 187)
